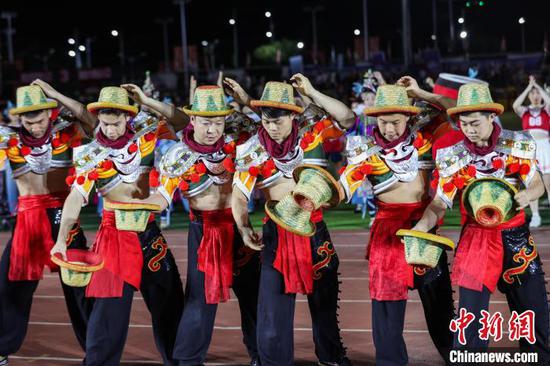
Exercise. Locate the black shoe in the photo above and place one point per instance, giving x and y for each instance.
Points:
(255, 362)
(343, 362)
(3, 360)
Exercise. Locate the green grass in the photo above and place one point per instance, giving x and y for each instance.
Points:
(340, 218)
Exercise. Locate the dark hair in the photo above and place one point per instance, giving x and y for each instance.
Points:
(114, 111)
(32, 114)
(275, 112)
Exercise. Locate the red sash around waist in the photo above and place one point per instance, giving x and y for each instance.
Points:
(215, 254)
(294, 260)
(389, 273)
(122, 257)
(479, 256)
(32, 238)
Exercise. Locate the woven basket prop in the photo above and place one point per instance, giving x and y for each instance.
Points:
(77, 270)
(132, 216)
(424, 249)
(315, 188)
(490, 201)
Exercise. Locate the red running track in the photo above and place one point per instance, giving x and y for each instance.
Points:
(50, 340)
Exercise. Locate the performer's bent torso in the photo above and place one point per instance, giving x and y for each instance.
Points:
(291, 263)
(39, 169)
(132, 260)
(505, 256)
(399, 174)
(217, 257)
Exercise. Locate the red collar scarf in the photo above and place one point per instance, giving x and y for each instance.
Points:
(481, 151)
(29, 140)
(385, 144)
(114, 144)
(274, 149)
(195, 146)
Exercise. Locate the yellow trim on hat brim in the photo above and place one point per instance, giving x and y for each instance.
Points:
(269, 205)
(334, 185)
(76, 267)
(187, 110)
(266, 103)
(447, 243)
(484, 107)
(32, 108)
(376, 111)
(93, 107)
(131, 206)
(513, 191)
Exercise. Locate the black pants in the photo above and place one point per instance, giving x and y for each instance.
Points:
(276, 309)
(197, 322)
(162, 291)
(388, 317)
(531, 295)
(525, 290)
(16, 297)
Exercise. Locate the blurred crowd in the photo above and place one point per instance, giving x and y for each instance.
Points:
(357, 89)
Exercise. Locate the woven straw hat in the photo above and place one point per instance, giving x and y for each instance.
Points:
(474, 97)
(208, 101)
(290, 216)
(278, 95)
(391, 99)
(113, 97)
(315, 189)
(490, 201)
(424, 249)
(77, 270)
(31, 98)
(132, 216)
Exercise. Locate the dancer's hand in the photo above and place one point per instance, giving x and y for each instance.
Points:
(235, 90)
(251, 239)
(522, 199)
(135, 93)
(302, 84)
(60, 247)
(46, 88)
(410, 85)
(378, 76)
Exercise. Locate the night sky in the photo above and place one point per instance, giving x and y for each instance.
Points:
(46, 25)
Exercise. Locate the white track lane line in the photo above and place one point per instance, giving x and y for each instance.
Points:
(144, 362)
(347, 330)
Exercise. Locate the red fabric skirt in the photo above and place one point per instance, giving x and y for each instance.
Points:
(122, 258)
(32, 238)
(293, 259)
(479, 256)
(389, 274)
(215, 254)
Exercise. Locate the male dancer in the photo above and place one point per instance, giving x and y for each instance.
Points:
(201, 166)
(118, 161)
(397, 161)
(267, 161)
(502, 256)
(40, 154)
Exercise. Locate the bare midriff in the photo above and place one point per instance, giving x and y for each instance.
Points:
(408, 192)
(30, 184)
(129, 192)
(216, 197)
(280, 188)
